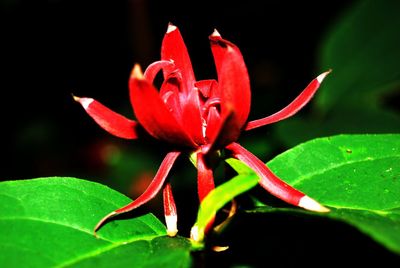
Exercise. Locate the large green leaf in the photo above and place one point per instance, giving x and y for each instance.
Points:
(49, 222)
(356, 176)
(362, 48)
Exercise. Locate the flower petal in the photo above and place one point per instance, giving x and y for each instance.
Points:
(274, 185)
(153, 69)
(298, 103)
(152, 112)
(225, 132)
(233, 78)
(173, 48)
(181, 76)
(109, 120)
(151, 190)
(171, 217)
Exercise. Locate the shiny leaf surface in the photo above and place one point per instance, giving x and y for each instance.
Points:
(48, 222)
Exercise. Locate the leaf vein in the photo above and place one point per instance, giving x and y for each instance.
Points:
(335, 166)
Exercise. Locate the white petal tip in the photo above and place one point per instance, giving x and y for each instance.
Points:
(137, 72)
(220, 248)
(85, 102)
(310, 204)
(103, 220)
(172, 233)
(322, 76)
(196, 234)
(77, 99)
(171, 222)
(215, 33)
(171, 28)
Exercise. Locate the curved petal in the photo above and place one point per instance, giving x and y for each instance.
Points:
(173, 48)
(169, 93)
(154, 187)
(152, 113)
(298, 103)
(153, 69)
(233, 78)
(109, 120)
(270, 182)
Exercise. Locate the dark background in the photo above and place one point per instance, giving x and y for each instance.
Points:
(52, 49)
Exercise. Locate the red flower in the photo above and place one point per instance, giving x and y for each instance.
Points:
(199, 117)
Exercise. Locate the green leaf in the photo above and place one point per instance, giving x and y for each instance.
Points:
(362, 48)
(48, 222)
(357, 176)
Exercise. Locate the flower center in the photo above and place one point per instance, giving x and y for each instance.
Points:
(211, 102)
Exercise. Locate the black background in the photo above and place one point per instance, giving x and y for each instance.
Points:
(52, 49)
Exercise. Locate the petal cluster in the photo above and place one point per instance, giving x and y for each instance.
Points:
(200, 117)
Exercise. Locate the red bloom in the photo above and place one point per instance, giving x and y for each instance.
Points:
(199, 117)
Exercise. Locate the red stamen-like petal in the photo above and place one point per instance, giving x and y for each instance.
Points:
(169, 93)
(233, 79)
(154, 187)
(205, 178)
(274, 185)
(109, 120)
(293, 107)
(152, 113)
(170, 214)
(173, 48)
(207, 87)
(213, 124)
(191, 116)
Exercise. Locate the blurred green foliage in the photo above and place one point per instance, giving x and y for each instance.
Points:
(362, 94)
